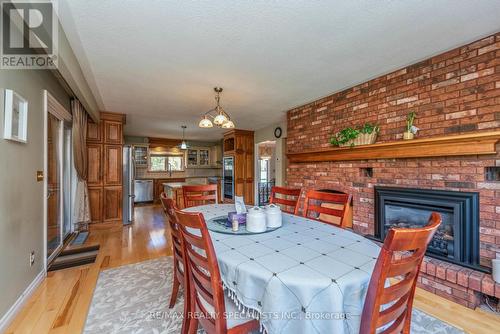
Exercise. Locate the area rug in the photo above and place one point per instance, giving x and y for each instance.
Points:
(134, 299)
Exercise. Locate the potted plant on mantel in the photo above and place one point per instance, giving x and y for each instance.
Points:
(365, 135)
(411, 130)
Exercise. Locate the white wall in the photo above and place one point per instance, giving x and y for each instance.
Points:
(21, 196)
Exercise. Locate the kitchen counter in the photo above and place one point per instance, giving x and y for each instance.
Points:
(178, 185)
(174, 190)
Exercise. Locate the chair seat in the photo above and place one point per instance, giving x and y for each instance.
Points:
(234, 316)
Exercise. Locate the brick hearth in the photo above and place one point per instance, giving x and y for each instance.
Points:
(456, 92)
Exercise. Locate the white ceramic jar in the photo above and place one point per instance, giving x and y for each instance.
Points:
(273, 216)
(256, 220)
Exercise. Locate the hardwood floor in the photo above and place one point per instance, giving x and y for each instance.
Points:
(61, 302)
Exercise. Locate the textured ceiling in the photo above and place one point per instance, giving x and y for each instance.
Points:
(157, 61)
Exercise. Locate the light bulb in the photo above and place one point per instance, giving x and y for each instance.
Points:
(205, 123)
(184, 145)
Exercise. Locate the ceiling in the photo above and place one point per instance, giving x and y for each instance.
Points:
(158, 61)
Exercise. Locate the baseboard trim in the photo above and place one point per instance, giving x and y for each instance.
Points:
(23, 298)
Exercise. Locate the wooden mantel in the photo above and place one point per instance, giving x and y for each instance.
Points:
(466, 144)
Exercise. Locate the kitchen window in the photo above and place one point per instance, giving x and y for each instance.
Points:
(166, 163)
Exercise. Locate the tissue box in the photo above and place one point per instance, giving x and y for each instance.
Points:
(242, 217)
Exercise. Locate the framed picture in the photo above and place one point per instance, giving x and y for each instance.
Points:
(16, 117)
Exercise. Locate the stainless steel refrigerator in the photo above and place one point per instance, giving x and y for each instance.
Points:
(128, 184)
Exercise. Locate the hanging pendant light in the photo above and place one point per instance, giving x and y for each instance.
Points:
(218, 115)
(205, 122)
(183, 145)
(228, 125)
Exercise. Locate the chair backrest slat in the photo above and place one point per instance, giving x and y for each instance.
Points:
(289, 200)
(203, 271)
(169, 208)
(400, 258)
(199, 195)
(318, 205)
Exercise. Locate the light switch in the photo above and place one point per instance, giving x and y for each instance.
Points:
(39, 175)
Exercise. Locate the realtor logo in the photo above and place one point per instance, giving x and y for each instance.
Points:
(29, 34)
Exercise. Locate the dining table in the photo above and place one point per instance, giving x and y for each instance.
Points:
(304, 277)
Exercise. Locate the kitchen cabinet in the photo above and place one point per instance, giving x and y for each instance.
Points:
(199, 157)
(141, 155)
(95, 203)
(112, 204)
(94, 132)
(113, 132)
(94, 166)
(105, 164)
(113, 164)
(158, 186)
(239, 144)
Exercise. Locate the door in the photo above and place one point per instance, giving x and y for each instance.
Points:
(113, 132)
(94, 167)
(54, 217)
(113, 169)
(58, 171)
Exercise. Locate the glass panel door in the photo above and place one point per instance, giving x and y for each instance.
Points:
(204, 157)
(67, 178)
(54, 217)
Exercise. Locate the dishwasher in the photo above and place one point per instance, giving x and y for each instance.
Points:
(143, 191)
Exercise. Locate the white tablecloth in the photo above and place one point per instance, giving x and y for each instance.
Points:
(306, 277)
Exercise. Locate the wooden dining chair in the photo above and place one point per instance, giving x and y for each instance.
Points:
(199, 195)
(178, 254)
(388, 309)
(329, 208)
(207, 298)
(286, 198)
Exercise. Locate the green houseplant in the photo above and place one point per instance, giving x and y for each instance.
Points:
(364, 135)
(411, 130)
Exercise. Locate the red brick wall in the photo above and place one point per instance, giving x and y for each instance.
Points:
(452, 93)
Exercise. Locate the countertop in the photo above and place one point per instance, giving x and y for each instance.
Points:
(177, 177)
(178, 185)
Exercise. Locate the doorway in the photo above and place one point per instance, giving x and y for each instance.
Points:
(58, 171)
(266, 170)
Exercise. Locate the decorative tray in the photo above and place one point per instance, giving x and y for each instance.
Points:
(221, 225)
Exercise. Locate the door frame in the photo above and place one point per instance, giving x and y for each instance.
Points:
(52, 106)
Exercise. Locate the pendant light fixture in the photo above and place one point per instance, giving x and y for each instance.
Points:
(216, 115)
(183, 145)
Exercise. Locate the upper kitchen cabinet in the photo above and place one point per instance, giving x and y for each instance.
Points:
(112, 128)
(141, 155)
(113, 132)
(94, 132)
(202, 157)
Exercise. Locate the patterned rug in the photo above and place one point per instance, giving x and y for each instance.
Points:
(134, 299)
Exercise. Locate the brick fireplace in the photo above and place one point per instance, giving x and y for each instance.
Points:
(457, 92)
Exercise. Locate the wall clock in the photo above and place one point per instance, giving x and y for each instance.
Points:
(278, 132)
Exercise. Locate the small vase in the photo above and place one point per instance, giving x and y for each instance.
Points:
(407, 135)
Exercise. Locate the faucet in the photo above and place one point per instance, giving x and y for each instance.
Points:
(169, 169)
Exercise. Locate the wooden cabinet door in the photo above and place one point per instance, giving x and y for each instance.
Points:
(113, 132)
(112, 200)
(94, 169)
(112, 165)
(95, 202)
(94, 132)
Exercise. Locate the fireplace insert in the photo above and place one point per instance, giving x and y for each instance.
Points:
(456, 240)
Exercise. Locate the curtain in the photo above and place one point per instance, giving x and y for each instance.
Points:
(82, 207)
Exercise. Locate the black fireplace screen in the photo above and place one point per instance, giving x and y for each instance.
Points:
(457, 238)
